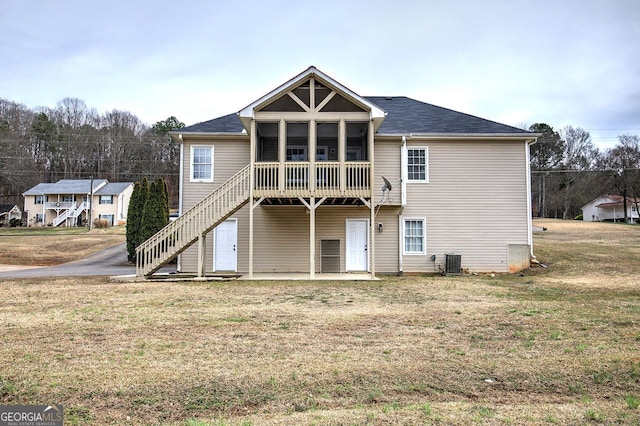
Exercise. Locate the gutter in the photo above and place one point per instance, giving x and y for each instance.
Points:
(403, 187)
(480, 136)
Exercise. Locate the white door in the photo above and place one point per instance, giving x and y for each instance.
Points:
(226, 246)
(357, 245)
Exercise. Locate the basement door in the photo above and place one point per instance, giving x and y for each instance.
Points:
(357, 245)
(225, 256)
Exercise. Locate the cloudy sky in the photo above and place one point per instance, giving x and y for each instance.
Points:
(562, 62)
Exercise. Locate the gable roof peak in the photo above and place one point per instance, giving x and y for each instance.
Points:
(247, 113)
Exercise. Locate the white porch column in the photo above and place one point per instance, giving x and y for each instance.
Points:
(342, 153)
(252, 147)
(372, 203)
(312, 237)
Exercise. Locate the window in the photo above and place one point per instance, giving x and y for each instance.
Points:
(41, 199)
(201, 164)
(108, 218)
(414, 236)
(417, 165)
(67, 199)
(106, 199)
(39, 218)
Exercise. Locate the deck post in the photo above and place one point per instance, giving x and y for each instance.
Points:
(202, 253)
(312, 238)
(252, 149)
(372, 203)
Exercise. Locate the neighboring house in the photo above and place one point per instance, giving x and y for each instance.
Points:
(69, 202)
(294, 183)
(610, 208)
(8, 212)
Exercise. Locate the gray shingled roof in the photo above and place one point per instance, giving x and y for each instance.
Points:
(225, 124)
(113, 188)
(404, 116)
(5, 208)
(65, 186)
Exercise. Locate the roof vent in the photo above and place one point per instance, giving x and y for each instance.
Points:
(389, 98)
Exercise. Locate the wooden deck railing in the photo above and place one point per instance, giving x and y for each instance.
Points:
(329, 178)
(178, 235)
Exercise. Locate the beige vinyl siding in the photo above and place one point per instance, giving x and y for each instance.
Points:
(229, 157)
(281, 239)
(475, 203)
(387, 164)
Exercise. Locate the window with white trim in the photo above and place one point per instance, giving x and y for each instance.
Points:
(418, 164)
(414, 236)
(201, 163)
(106, 199)
(41, 199)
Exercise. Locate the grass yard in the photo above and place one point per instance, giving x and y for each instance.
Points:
(51, 246)
(559, 345)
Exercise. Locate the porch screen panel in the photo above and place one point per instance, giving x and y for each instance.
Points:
(267, 142)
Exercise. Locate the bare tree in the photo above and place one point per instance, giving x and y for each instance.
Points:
(579, 155)
(546, 156)
(623, 165)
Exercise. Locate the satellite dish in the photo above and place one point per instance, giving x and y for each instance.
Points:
(387, 185)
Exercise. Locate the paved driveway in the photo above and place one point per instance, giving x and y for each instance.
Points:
(112, 261)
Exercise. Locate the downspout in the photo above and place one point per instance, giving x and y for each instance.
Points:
(527, 148)
(403, 188)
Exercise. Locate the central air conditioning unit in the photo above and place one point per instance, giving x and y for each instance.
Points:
(452, 263)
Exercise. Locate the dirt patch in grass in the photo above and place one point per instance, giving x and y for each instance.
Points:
(53, 246)
(536, 348)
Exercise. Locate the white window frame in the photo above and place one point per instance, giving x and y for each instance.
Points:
(301, 148)
(191, 172)
(68, 198)
(105, 201)
(426, 164)
(404, 235)
(41, 199)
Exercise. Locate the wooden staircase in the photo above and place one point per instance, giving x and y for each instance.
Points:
(178, 235)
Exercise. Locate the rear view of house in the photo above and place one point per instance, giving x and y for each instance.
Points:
(75, 202)
(314, 178)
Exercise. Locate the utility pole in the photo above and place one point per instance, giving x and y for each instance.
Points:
(91, 204)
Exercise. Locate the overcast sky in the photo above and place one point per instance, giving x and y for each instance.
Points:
(562, 62)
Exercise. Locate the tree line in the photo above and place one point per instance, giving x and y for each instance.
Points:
(568, 171)
(73, 141)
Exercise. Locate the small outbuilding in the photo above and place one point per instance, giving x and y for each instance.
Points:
(9, 212)
(610, 208)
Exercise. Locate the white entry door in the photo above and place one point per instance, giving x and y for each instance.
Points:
(357, 245)
(226, 246)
